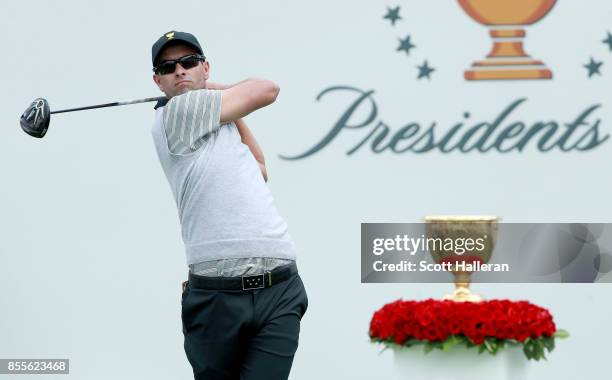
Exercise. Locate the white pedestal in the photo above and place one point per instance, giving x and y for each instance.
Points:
(460, 363)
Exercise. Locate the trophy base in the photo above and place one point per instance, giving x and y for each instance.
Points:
(468, 298)
(508, 70)
(462, 294)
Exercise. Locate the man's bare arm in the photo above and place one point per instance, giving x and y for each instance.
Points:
(241, 99)
(249, 140)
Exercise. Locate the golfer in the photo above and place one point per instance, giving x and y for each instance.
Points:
(243, 299)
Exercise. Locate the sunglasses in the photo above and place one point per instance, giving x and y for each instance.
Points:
(187, 62)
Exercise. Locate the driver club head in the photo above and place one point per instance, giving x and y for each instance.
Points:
(35, 119)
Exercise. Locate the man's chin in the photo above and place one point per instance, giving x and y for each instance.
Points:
(183, 89)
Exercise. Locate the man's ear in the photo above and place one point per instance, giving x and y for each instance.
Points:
(206, 66)
(157, 81)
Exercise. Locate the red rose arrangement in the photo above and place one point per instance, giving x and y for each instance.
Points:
(488, 325)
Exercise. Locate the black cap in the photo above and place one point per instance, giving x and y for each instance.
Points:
(172, 38)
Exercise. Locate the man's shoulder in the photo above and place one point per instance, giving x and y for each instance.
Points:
(192, 94)
(189, 119)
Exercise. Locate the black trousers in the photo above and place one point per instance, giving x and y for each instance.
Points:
(238, 334)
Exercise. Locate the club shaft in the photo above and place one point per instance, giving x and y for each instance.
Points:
(111, 104)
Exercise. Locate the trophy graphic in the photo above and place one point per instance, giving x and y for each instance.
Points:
(506, 19)
(445, 232)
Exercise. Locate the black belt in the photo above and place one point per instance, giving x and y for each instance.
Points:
(258, 281)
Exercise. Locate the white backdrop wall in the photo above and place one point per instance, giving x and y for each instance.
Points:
(91, 257)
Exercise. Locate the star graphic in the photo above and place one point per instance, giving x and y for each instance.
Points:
(425, 71)
(393, 15)
(593, 67)
(405, 45)
(608, 41)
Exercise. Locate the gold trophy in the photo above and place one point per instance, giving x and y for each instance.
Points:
(446, 229)
(506, 19)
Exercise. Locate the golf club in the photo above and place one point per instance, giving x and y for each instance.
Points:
(35, 119)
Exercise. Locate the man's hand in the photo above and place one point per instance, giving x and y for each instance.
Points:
(245, 97)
